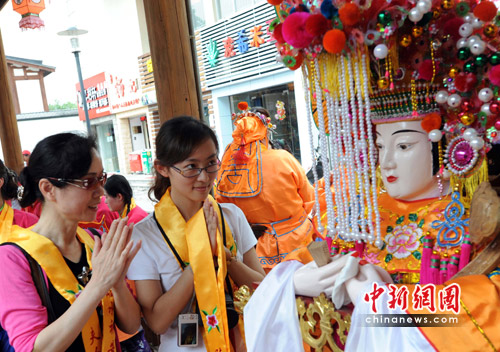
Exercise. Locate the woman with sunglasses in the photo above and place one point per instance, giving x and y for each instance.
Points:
(190, 243)
(81, 292)
(119, 198)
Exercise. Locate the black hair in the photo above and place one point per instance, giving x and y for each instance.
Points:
(175, 142)
(63, 155)
(435, 155)
(118, 184)
(10, 181)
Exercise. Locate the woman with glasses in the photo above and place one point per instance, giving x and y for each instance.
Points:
(194, 251)
(60, 288)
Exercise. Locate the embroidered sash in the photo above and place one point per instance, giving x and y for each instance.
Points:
(6, 220)
(51, 260)
(191, 241)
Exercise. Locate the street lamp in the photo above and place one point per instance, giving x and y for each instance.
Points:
(74, 32)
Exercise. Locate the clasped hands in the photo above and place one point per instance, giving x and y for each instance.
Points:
(342, 279)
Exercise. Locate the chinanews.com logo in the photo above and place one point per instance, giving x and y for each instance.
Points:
(438, 308)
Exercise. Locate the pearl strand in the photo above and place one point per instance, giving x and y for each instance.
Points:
(371, 149)
(324, 150)
(311, 146)
(335, 152)
(348, 145)
(365, 184)
(356, 175)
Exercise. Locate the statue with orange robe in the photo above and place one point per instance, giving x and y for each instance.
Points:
(268, 185)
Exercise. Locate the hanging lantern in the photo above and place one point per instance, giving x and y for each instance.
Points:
(30, 11)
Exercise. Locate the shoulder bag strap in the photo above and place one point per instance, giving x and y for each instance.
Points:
(172, 248)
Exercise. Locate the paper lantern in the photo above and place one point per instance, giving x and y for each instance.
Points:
(30, 12)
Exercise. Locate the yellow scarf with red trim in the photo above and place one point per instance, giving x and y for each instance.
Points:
(191, 241)
(51, 260)
(6, 221)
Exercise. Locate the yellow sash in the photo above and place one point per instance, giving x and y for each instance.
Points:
(190, 240)
(6, 220)
(132, 206)
(51, 260)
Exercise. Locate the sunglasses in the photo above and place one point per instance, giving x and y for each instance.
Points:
(86, 183)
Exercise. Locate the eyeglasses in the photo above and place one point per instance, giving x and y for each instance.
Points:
(86, 183)
(196, 171)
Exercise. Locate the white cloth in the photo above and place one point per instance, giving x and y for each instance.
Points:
(270, 316)
(155, 261)
(339, 293)
(363, 338)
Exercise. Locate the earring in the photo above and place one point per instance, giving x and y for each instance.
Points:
(440, 185)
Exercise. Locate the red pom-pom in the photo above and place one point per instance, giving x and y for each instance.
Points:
(334, 41)
(275, 2)
(316, 25)
(349, 14)
(431, 122)
(278, 34)
(243, 105)
(294, 30)
(485, 11)
(298, 62)
(494, 75)
(465, 82)
(425, 69)
(451, 27)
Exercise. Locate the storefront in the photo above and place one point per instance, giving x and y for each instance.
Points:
(119, 121)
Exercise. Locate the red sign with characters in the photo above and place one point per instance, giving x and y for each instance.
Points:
(108, 94)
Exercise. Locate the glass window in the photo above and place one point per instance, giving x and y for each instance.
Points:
(286, 132)
(225, 8)
(197, 14)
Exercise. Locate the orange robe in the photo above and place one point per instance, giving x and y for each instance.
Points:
(271, 188)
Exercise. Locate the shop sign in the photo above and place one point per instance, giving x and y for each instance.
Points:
(108, 94)
(96, 94)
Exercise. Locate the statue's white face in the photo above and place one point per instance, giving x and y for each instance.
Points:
(405, 159)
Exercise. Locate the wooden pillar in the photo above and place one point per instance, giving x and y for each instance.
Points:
(13, 91)
(176, 81)
(9, 134)
(42, 90)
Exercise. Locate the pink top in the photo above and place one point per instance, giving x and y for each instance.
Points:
(22, 313)
(24, 219)
(136, 215)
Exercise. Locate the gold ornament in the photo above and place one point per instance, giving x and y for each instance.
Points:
(490, 30)
(405, 40)
(447, 4)
(309, 325)
(417, 31)
(467, 119)
(436, 14)
(383, 83)
(241, 298)
(453, 72)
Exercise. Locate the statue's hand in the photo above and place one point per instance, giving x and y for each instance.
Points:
(310, 280)
(367, 274)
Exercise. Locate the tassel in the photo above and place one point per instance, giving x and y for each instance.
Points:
(469, 184)
(239, 156)
(453, 264)
(425, 263)
(465, 253)
(359, 246)
(434, 272)
(443, 269)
